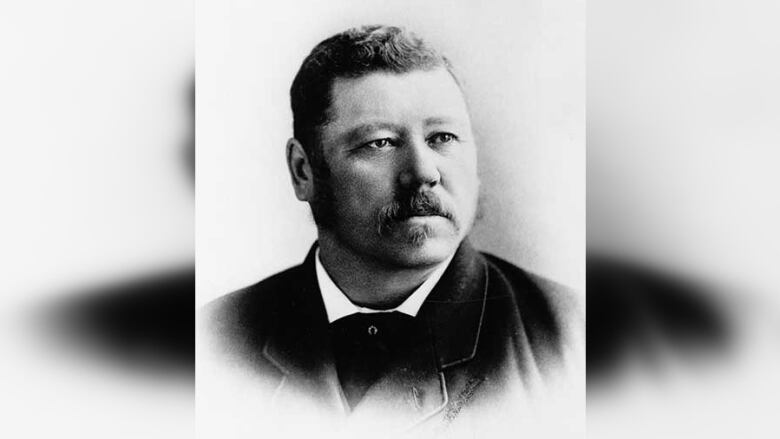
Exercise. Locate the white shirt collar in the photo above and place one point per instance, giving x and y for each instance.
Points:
(338, 305)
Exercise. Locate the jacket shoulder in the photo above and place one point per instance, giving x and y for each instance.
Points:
(552, 313)
(241, 320)
(559, 296)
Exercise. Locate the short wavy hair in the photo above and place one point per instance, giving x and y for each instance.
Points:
(351, 54)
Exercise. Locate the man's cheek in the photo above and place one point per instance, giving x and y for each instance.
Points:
(359, 203)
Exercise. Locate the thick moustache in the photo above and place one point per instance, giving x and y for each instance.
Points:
(419, 206)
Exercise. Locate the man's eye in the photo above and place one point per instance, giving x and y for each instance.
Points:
(442, 138)
(379, 143)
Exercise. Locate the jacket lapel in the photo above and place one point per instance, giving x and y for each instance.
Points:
(456, 307)
(300, 346)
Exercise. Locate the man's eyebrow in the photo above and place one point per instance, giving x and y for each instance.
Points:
(440, 120)
(359, 131)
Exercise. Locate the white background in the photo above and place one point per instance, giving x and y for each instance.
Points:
(96, 121)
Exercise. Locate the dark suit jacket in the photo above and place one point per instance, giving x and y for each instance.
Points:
(487, 330)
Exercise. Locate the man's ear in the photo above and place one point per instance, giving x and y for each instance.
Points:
(300, 170)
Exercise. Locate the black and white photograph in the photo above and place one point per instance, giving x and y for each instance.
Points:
(390, 219)
(428, 219)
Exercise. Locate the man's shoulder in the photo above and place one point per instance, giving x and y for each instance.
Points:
(249, 310)
(547, 307)
(264, 292)
(533, 284)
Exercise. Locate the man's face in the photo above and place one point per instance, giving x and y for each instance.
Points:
(402, 186)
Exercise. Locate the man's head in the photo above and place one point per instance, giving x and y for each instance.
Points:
(383, 148)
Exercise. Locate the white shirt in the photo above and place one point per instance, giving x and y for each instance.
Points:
(338, 305)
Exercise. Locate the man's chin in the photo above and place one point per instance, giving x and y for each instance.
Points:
(420, 242)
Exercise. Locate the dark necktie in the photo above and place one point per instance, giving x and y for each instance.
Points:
(364, 345)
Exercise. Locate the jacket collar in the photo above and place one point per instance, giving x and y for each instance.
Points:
(454, 311)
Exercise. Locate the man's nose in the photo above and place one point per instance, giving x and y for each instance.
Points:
(419, 167)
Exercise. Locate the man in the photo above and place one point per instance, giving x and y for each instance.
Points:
(393, 317)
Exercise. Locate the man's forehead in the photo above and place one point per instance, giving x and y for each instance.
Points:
(420, 95)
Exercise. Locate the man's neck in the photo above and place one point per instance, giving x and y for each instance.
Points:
(367, 282)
